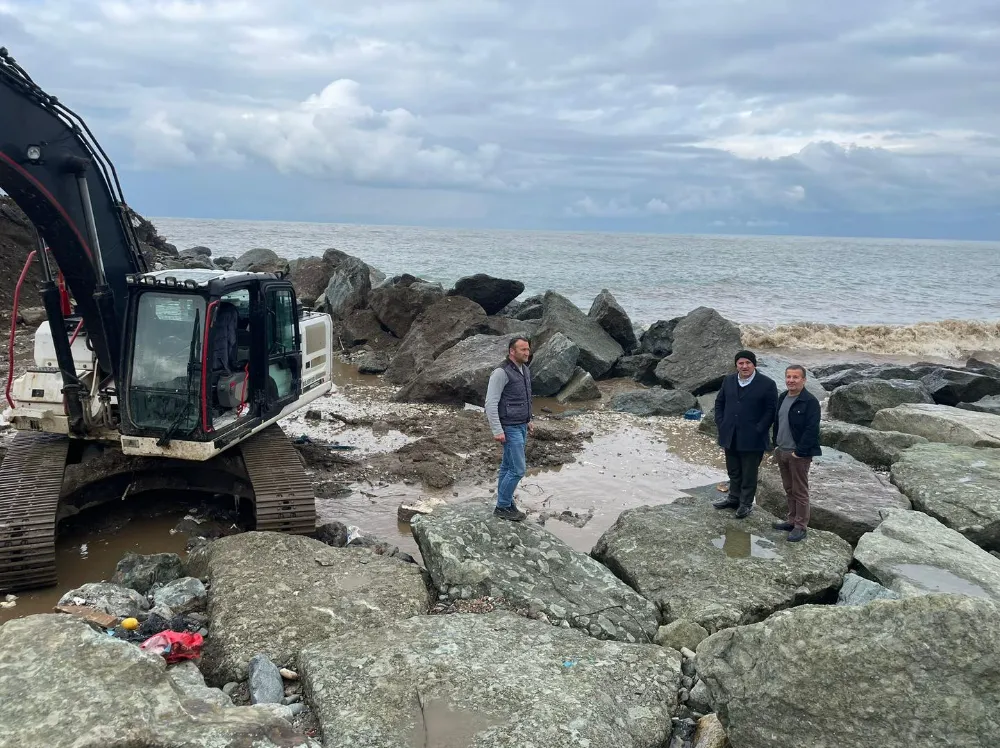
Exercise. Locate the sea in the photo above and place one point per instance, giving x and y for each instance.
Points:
(899, 297)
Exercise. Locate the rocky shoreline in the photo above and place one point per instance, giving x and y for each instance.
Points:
(679, 627)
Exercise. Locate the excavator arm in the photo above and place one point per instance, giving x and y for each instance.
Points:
(53, 168)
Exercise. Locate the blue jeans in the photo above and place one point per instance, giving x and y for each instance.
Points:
(512, 465)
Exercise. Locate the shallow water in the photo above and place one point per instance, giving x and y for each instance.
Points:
(936, 579)
(742, 544)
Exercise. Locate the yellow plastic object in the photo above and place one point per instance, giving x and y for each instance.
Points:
(130, 624)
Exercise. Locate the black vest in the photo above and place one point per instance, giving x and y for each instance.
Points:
(515, 400)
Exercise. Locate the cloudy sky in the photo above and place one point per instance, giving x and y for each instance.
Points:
(738, 116)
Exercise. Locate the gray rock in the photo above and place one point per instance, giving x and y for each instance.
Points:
(658, 339)
(598, 350)
(224, 263)
(710, 733)
(680, 634)
(182, 595)
(941, 423)
(348, 289)
(88, 689)
(953, 386)
(704, 565)
(470, 553)
(912, 553)
(830, 697)
(492, 294)
(399, 300)
(140, 572)
(655, 401)
(860, 591)
(960, 486)
(876, 448)
(508, 327)
(198, 251)
(703, 349)
(859, 402)
(989, 404)
(495, 680)
(310, 277)
(273, 593)
(260, 260)
(860, 372)
(373, 362)
(846, 496)
(187, 678)
(443, 324)
(774, 368)
(608, 313)
(553, 364)
(640, 367)
(700, 700)
(361, 327)
(459, 375)
(266, 685)
(581, 386)
(530, 311)
(108, 598)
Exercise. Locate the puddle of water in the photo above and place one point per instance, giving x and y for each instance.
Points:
(443, 725)
(90, 555)
(935, 579)
(742, 544)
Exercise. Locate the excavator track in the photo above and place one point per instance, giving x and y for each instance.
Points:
(284, 495)
(31, 479)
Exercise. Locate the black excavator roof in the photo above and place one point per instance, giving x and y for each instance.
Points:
(47, 155)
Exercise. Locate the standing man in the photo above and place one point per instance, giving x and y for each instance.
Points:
(744, 414)
(508, 411)
(796, 436)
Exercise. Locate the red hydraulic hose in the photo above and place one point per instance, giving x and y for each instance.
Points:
(13, 326)
(75, 333)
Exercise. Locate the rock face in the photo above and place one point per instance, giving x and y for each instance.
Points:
(954, 386)
(704, 344)
(876, 448)
(832, 378)
(552, 365)
(438, 328)
(581, 386)
(640, 367)
(598, 350)
(655, 401)
(273, 593)
(260, 260)
(112, 599)
(310, 277)
(492, 294)
(859, 402)
(830, 697)
(914, 554)
(960, 486)
(860, 591)
(348, 288)
(470, 553)
(774, 367)
(64, 684)
(460, 374)
(704, 565)
(141, 573)
(846, 496)
(658, 339)
(989, 404)
(494, 681)
(941, 423)
(398, 301)
(608, 313)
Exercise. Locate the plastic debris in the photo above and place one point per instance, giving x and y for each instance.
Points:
(174, 646)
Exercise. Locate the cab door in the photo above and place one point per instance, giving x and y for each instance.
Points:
(282, 346)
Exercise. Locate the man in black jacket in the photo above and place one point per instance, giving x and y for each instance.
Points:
(796, 437)
(744, 412)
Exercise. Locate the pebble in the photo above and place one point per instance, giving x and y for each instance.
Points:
(288, 674)
(294, 698)
(297, 708)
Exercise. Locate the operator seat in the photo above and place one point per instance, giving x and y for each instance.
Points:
(229, 383)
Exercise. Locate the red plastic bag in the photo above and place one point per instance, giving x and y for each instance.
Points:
(174, 645)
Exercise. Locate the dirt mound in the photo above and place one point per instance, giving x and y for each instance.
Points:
(16, 241)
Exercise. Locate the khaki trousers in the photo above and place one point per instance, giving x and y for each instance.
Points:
(795, 480)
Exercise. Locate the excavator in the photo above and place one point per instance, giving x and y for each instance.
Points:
(171, 378)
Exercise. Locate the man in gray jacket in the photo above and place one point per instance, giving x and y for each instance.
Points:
(508, 411)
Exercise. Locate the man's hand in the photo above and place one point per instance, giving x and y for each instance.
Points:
(500, 438)
(531, 427)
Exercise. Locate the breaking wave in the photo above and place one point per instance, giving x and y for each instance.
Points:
(949, 338)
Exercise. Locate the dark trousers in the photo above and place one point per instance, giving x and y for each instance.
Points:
(742, 468)
(795, 479)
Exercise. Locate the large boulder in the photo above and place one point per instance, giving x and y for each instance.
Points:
(859, 402)
(698, 563)
(960, 486)
(362, 327)
(774, 368)
(891, 674)
(598, 350)
(876, 448)
(492, 294)
(348, 289)
(310, 276)
(494, 680)
(941, 423)
(470, 553)
(655, 401)
(273, 594)
(989, 404)
(459, 375)
(398, 301)
(953, 386)
(581, 386)
(64, 684)
(658, 338)
(610, 315)
(112, 599)
(142, 573)
(852, 373)
(641, 367)
(846, 496)
(437, 329)
(552, 365)
(704, 345)
(911, 553)
(260, 260)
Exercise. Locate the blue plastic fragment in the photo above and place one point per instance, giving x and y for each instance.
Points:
(693, 415)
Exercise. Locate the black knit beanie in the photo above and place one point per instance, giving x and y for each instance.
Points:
(747, 355)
